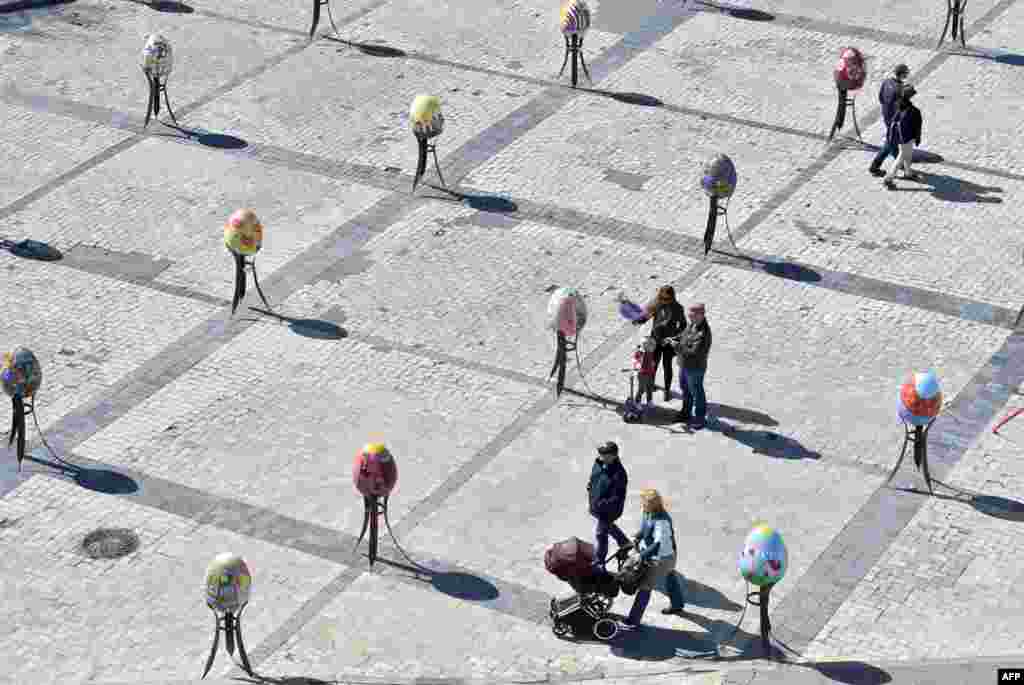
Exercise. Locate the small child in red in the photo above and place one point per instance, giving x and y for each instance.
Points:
(645, 364)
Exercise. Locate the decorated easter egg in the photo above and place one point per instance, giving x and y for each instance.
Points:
(157, 57)
(227, 582)
(243, 233)
(849, 71)
(574, 17)
(21, 374)
(630, 310)
(425, 116)
(374, 471)
(718, 177)
(920, 398)
(567, 312)
(764, 558)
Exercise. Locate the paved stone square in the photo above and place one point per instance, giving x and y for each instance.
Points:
(419, 320)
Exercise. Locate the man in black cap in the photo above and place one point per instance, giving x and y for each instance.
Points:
(888, 98)
(607, 491)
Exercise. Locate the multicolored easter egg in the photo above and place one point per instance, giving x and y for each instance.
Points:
(157, 57)
(630, 310)
(574, 17)
(425, 116)
(374, 471)
(567, 312)
(243, 233)
(21, 374)
(764, 558)
(920, 398)
(718, 177)
(849, 72)
(228, 581)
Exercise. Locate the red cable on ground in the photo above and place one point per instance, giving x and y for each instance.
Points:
(1007, 418)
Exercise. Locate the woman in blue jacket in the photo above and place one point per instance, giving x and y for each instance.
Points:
(656, 543)
(904, 132)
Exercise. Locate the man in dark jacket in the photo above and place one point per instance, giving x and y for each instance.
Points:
(905, 131)
(692, 349)
(607, 491)
(888, 98)
(669, 321)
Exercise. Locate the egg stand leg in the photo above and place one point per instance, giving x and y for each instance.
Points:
(239, 282)
(371, 509)
(840, 113)
(433, 150)
(256, 280)
(763, 595)
(154, 99)
(575, 58)
(709, 232)
(852, 102)
(921, 452)
(384, 513)
(233, 633)
(583, 62)
(961, 6)
(162, 87)
(316, 16)
(565, 60)
(216, 643)
(18, 428)
(945, 29)
(561, 358)
(907, 438)
(421, 162)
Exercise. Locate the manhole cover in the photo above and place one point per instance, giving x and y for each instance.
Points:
(110, 543)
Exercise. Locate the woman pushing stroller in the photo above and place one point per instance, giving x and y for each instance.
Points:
(656, 543)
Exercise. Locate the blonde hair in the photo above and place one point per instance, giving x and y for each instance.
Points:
(651, 501)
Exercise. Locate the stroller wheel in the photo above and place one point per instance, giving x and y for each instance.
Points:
(605, 629)
(560, 629)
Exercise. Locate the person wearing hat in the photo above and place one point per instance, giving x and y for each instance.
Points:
(669, 320)
(905, 132)
(888, 98)
(607, 497)
(692, 348)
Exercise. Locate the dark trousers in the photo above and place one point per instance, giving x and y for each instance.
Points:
(603, 529)
(694, 400)
(887, 150)
(665, 353)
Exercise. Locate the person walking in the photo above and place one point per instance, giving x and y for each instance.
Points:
(692, 348)
(656, 543)
(607, 497)
(888, 98)
(905, 132)
(669, 320)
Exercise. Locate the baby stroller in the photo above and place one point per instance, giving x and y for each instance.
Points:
(587, 610)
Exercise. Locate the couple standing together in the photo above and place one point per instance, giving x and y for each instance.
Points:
(690, 342)
(903, 124)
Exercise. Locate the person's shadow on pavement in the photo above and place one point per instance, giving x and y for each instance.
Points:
(952, 189)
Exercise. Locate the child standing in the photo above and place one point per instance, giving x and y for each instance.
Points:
(645, 364)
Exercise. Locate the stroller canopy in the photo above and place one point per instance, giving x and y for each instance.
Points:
(572, 558)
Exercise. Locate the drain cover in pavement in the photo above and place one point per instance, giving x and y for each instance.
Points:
(110, 543)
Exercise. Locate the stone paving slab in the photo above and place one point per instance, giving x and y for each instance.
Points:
(58, 601)
(39, 147)
(360, 107)
(116, 327)
(640, 164)
(298, 448)
(153, 199)
(439, 274)
(107, 38)
(518, 36)
(954, 573)
(775, 74)
(962, 220)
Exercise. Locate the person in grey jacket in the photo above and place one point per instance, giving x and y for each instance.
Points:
(888, 97)
(657, 544)
(692, 348)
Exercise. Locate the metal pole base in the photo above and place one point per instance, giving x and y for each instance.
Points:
(845, 101)
(241, 264)
(231, 624)
(316, 15)
(574, 47)
(563, 347)
(918, 437)
(374, 507)
(153, 109)
(426, 148)
(955, 10)
(763, 596)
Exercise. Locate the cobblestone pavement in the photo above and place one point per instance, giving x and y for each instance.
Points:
(419, 320)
